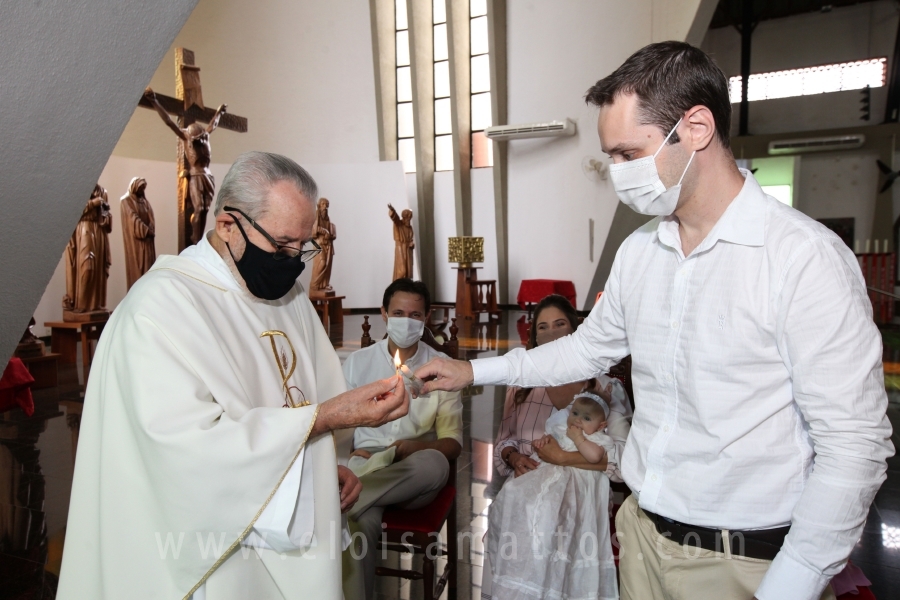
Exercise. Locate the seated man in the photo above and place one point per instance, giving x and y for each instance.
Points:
(423, 441)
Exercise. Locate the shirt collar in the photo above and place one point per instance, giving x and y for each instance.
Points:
(421, 355)
(206, 256)
(743, 222)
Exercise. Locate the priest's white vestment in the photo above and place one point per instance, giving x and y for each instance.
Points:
(186, 446)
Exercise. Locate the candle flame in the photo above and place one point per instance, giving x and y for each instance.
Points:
(397, 359)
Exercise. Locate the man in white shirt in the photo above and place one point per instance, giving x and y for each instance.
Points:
(415, 448)
(759, 436)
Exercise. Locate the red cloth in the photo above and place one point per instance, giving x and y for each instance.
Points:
(532, 291)
(15, 387)
(851, 584)
(523, 327)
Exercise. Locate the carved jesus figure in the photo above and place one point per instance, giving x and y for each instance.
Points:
(404, 243)
(197, 182)
(324, 236)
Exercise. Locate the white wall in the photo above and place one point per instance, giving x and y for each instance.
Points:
(300, 71)
(444, 228)
(839, 184)
(72, 73)
(556, 51)
(364, 249)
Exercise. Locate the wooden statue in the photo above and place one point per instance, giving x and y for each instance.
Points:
(30, 345)
(320, 282)
(138, 231)
(187, 108)
(88, 261)
(196, 182)
(404, 243)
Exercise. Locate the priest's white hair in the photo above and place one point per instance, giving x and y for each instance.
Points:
(247, 184)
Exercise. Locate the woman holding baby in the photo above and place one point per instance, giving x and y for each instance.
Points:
(548, 533)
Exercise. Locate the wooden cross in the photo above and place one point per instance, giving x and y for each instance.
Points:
(187, 107)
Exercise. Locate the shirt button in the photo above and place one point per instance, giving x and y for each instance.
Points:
(653, 477)
(668, 377)
(666, 428)
(674, 324)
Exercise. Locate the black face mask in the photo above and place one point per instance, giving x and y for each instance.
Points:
(266, 277)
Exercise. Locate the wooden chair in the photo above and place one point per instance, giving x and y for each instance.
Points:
(484, 298)
(418, 532)
(449, 347)
(439, 319)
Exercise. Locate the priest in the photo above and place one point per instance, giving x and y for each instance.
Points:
(206, 465)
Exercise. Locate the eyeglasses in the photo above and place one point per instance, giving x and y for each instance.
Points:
(282, 252)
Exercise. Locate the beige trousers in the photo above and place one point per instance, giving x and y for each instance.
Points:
(653, 567)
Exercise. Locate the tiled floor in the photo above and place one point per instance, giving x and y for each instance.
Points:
(36, 459)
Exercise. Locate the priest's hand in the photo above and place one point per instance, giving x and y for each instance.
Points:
(350, 487)
(370, 405)
(445, 374)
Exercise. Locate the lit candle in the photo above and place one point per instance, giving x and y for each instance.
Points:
(397, 361)
(414, 382)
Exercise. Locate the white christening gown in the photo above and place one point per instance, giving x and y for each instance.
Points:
(548, 534)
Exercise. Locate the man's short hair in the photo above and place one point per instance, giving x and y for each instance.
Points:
(247, 184)
(669, 78)
(404, 284)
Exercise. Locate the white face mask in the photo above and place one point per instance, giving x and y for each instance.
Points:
(405, 332)
(638, 185)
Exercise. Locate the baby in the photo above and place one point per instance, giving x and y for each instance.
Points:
(581, 427)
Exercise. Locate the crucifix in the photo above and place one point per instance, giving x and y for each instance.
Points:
(196, 186)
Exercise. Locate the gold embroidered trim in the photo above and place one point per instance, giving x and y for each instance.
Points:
(283, 369)
(246, 531)
(191, 276)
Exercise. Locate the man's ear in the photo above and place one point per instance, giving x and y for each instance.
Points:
(384, 314)
(225, 226)
(702, 128)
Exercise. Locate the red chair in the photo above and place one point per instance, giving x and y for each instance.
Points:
(418, 532)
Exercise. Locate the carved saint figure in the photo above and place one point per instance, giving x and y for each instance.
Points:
(138, 231)
(88, 258)
(325, 236)
(404, 243)
(196, 184)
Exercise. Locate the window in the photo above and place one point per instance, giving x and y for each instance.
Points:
(443, 121)
(482, 149)
(782, 193)
(406, 132)
(812, 80)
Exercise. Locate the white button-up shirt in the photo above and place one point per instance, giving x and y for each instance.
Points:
(437, 415)
(758, 383)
